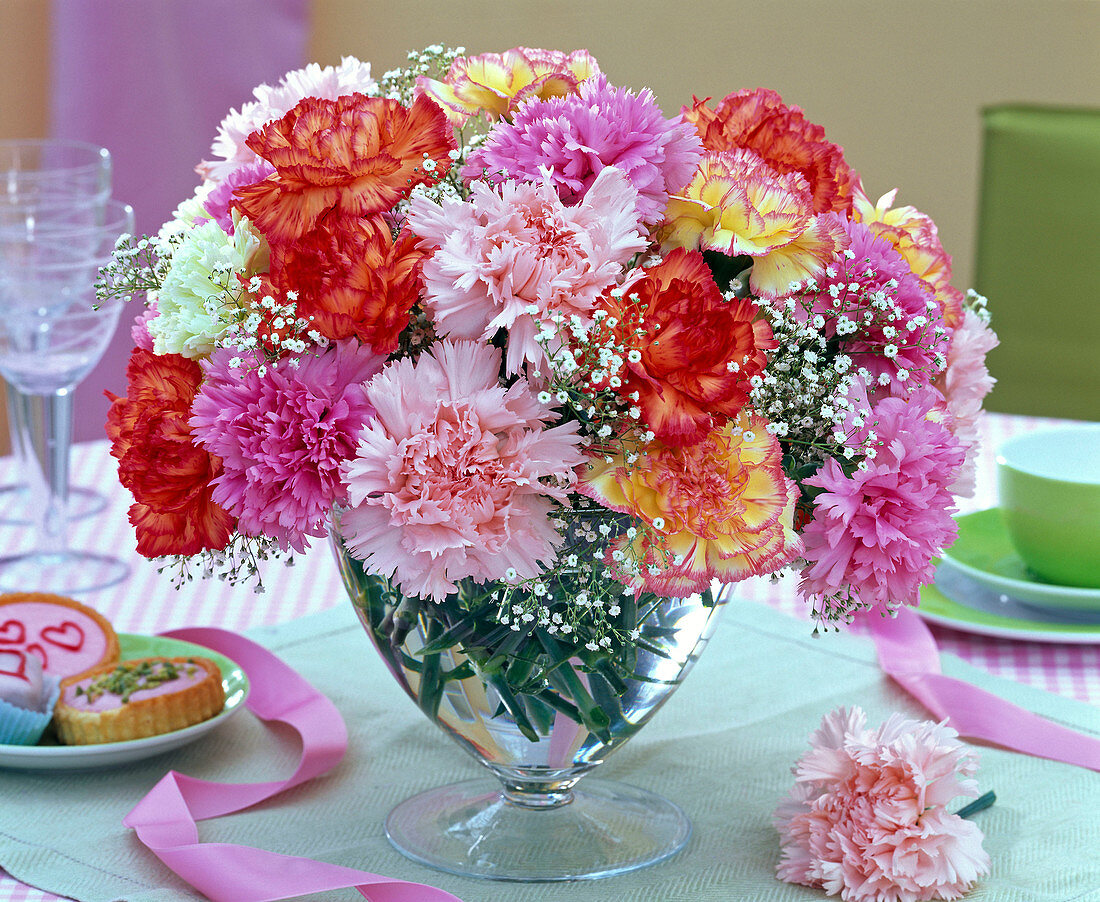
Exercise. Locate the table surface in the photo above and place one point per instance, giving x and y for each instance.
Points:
(147, 602)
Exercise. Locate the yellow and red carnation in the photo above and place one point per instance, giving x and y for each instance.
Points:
(352, 156)
(158, 461)
(353, 279)
(691, 354)
(722, 508)
(736, 203)
(760, 121)
(497, 83)
(914, 235)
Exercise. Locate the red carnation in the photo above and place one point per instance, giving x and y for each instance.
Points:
(691, 358)
(167, 473)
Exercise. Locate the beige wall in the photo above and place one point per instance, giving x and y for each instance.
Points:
(898, 84)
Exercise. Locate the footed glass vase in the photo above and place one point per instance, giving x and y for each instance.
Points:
(539, 712)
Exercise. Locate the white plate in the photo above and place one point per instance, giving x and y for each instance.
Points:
(45, 757)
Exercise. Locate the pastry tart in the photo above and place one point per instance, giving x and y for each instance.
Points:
(136, 699)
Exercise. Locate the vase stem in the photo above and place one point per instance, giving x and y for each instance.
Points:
(538, 794)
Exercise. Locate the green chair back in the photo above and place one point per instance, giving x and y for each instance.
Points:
(1038, 258)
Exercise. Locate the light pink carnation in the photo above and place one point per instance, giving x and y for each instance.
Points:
(867, 818)
(139, 331)
(352, 76)
(502, 254)
(283, 436)
(455, 475)
(577, 136)
(965, 384)
(874, 533)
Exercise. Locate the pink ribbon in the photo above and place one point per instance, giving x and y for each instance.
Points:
(907, 652)
(165, 819)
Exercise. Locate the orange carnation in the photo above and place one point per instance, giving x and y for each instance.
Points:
(167, 473)
(781, 134)
(722, 509)
(353, 278)
(355, 155)
(690, 353)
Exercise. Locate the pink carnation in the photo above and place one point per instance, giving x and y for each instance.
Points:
(218, 200)
(577, 136)
(965, 384)
(874, 532)
(872, 274)
(505, 253)
(867, 819)
(455, 476)
(139, 331)
(283, 436)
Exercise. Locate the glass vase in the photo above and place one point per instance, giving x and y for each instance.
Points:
(539, 713)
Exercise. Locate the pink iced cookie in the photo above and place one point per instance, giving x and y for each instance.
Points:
(67, 637)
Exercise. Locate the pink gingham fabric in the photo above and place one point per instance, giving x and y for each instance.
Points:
(147, 602)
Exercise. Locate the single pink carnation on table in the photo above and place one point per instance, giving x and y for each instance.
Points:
(874, 532)
(456, 475)
(867, 820)
(283, 435)
(577, 136)
(513, 257)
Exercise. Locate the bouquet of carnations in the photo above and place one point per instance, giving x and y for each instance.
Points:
(518, 330)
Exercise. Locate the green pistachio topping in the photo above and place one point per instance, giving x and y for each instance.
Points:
(130, 677)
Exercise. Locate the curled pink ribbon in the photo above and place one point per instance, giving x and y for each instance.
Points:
(907, 652)
(165, 819)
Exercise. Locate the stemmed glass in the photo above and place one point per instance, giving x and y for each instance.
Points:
(52, 332)
(61, 182)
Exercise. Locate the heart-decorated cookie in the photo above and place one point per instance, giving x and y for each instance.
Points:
(67, 637)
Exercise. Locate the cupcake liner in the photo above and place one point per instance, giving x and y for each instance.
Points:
(19, 726)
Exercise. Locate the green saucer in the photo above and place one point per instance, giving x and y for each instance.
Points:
(984, 552)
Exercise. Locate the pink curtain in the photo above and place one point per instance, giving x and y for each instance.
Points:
(151, 81)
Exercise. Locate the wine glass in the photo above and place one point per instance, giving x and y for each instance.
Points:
(52, 332)
(54, 181)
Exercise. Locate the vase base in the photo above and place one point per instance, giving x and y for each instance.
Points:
(469, 828)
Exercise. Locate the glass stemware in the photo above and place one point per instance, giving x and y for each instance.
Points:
(52, 332)
(65, 183)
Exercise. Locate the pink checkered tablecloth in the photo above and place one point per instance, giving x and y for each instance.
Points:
(148, 603)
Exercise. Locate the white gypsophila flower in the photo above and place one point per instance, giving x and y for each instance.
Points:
(194, 292)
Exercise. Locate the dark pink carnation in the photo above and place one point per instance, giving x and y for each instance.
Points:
(282, 436)
(875, 532)
(873, 278)
(217, 201)
(579, 135)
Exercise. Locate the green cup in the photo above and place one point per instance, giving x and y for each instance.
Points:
(1048, 484)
